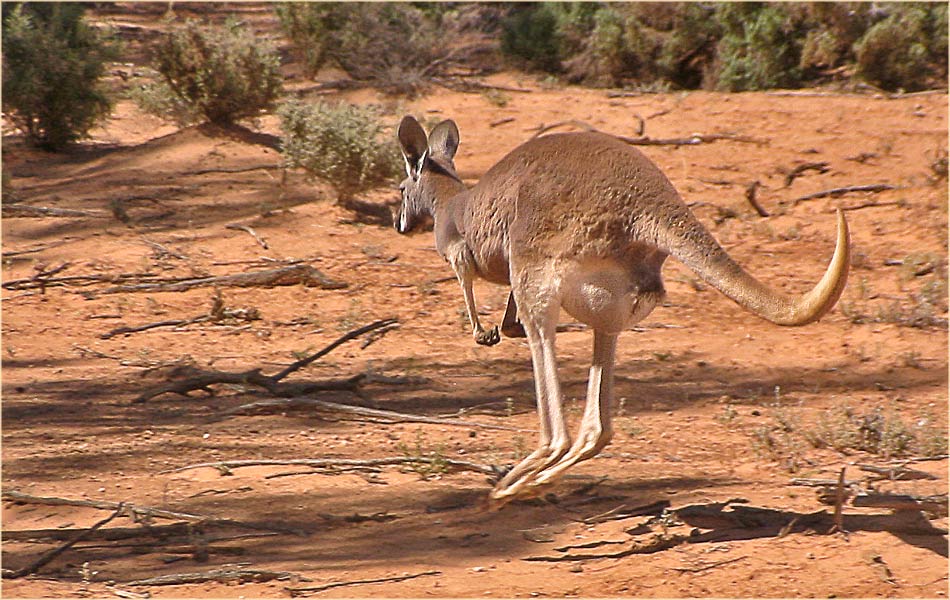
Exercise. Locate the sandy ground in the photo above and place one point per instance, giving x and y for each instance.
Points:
(699, 381)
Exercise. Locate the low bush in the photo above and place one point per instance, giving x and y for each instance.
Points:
(344, 145)
(52, 69)
(893, 53)
(219, 75)
(395, 46)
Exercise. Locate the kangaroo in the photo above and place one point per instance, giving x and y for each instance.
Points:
(583, 222)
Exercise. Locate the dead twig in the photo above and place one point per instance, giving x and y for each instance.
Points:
(298, 591)
(290, 275)
(34, 249)
(387, 416)
(459, 84)
(138, 513)
(821, 167)
(218, 314)
(226, 465)
(501, 122)
(936, 505)
(839, 191)
(873, 204)
(220, 575)
(25, 210)
(709, 566)
(750, 193)
(251, 232)
(896, 472)
(332, 346)
(625, 512)
(658, 543)
(48, 556)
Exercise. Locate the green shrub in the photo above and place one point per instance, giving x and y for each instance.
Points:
(219, 75)
(344, 145)
(312, 27)
(530, 36)
(760, 47)
(893, 53)
(52, 65)
(392, 45)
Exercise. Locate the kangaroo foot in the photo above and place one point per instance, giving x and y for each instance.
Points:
(488, 337)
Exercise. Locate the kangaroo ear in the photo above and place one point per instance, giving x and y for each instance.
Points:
(412, 140)
(444, 139)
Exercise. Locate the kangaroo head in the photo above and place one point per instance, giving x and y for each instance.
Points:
(429, 169)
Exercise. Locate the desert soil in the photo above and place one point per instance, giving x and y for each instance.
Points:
(702, 385)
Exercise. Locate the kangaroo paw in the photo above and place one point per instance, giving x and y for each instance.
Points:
(488, 337)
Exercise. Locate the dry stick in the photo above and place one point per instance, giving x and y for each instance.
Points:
(319, 588)
(48, 556)
(501, 121)
(874, 187)
(138, 512)
(750, 193)
(932, 504)
(162, 250)
(291, 275)
(147, 326)
(332, 346)
(388, 415)
(657, 544)
(873, 204)
(81, 280)
(250, 231)
(709, 566)
(35, 249)
(234, 170)
(220, 575)
(337, 462)
(25, 210)
(110, 534)
(821, 167)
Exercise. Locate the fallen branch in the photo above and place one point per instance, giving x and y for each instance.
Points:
(625, 512)
(218, 313)
(501, 122)
(108, 535)
(936, 505)
(226, 465)
(251, 232)
(25, 210)
(78, 280)
(821, 167)
(48, 556)
(693, 140)
(463, 85)
(709, 566)
(658, 543)
(873, 204)
(222, 575)
(750, 193)
(34, 249)
(297, 591)
(896, 472)
(138, 513)
(835, 192)
(290, 275)
(386, 416)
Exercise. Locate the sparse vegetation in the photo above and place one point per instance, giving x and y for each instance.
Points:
(53, 64)
(846, 429)
(435, 462)
(395, 46)
(220, 75)
(345, 145)
(731, 46)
